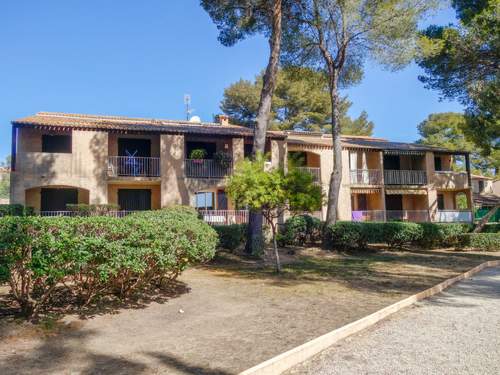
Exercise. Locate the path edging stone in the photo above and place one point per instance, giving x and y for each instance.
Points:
(290, 358)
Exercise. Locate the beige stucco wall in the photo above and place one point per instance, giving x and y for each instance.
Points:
(85, 167)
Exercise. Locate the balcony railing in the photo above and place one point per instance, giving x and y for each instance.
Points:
(450, 180)
(132, 166)
(315, 172)
(404, 177)
(366, 176)
(78, 214)
(454, 216)
(408, 215)
(207, 168)
(370, 215)
(224, 217)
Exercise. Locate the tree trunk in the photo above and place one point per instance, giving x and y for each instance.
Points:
(254, 234)
(484, 220)
(336, 176)
(275, 247)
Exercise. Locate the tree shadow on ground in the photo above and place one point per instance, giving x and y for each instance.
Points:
(172, 362)
(392, 272)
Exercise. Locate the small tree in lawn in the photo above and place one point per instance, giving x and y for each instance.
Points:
(273, 191)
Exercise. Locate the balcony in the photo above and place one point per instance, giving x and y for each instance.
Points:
(408, 215)
(450, 180)
(224, 217)
(404, 177)
(207, 168)
(370, 215)
(454, 216)
(315, 172)
(132, 166)
(366, 176)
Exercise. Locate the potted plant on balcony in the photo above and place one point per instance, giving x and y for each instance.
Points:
(223, 159)
(198, 155)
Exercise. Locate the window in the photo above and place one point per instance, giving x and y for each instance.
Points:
(53, 199)
(204, 200)
(247, 150)
(134, 199)
(440, 200)
(437, 164)
(481, 186)
(56, 143)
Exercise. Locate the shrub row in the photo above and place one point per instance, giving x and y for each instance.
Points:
(480, 241)
(97, 256)
(394, 234)
(231, 236)
(300, 230)
(15, 210)
(92, 209)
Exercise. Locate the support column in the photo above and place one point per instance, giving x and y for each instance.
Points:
(173, 185)
(238, 145)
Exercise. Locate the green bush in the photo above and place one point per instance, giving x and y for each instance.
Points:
(15, 210)
(92, 209)
(96, 256)
(299, 230)
(491, 228)
(442, 234)
(480, 241)
(231, 236)
(398, 234)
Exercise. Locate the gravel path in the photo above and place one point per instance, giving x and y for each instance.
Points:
(455, 332)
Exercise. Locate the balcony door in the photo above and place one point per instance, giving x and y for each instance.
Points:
(392, 162)
(394, 202)
(134, 199)
(56, 199)
(134, 147)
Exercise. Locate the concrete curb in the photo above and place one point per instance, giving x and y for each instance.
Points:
(288, 359)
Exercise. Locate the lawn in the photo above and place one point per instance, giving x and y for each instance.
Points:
(228, 315)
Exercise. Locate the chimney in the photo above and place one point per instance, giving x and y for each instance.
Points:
(223, 119)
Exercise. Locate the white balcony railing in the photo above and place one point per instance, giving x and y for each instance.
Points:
(76, 214)
(451, 180)
(454, 216)
(370, 215)
(408, 215)
(366, 176)
(224, 217)
(404, 177)
(132, 166)
(315, 172)
(207, 168)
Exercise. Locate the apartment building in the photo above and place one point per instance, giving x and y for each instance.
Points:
(142, 164)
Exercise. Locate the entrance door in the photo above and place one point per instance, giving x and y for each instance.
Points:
(221, 200)
(134, 199)
(53, 199)
(394, 202)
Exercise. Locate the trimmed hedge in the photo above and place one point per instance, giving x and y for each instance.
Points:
(394, 234)
(480, 241)
(15, 210)
(231, 236)
(82, 209)
(97, 256)
(299, 230)
(491, 228)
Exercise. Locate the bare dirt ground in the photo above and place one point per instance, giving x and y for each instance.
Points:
(228, 315)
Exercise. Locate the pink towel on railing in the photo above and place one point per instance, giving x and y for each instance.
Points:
(357, 215)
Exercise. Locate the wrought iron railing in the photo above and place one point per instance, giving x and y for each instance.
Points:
(78, 214)
(366, 176)
(368, 215)
(314, 171)
(408, 215)
(224, 217)
(404, 177)
(133, 166)
(207, 168)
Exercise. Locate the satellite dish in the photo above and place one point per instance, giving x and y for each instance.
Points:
(195, 119)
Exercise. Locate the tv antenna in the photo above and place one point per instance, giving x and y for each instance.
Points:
(187, 102)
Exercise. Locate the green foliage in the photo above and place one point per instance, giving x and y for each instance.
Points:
(300, 230)
(447, 130)
(198, 153)
(461, 62)
(96, 256)
(223, 159)
(480, 241)
(301, 101)
(395, 234)
(491, 228)
(15, 210)
(231, 236)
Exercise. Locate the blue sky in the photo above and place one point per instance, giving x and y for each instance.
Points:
(141, 57)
